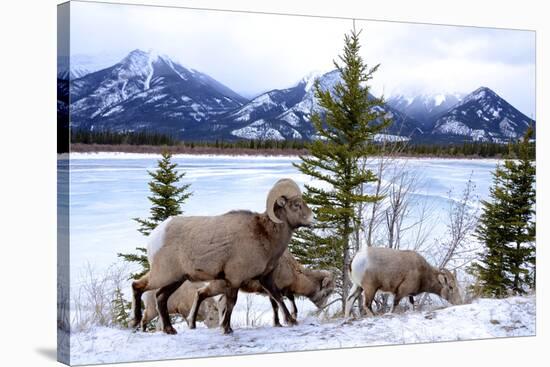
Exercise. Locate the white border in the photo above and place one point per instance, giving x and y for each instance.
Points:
(28, 204)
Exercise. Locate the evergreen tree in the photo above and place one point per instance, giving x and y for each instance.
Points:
(507, 228)
(167, 198)
(120, 309)
(350, 118)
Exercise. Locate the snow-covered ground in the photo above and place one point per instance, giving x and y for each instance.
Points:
(108, 189)
(485, 318)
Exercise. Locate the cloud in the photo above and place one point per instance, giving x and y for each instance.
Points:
(421, 58)
(252, 53)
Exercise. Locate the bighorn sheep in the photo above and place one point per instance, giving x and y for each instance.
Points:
(292, 279)
(180, 302)
(226, 250)
(403, 273)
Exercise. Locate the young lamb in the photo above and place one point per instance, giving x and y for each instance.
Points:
(226, 250)
(403, 273)
(293, 279)
(180, 302)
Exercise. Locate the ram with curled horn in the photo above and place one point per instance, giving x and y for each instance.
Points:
(225, 250)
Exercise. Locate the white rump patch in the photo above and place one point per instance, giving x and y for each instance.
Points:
(359, 266)
(156, 239)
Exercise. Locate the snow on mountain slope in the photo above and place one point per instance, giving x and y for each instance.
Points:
(258, 130)
(483, 116)
(424, 108)
(74, 72)
(484, 318)
(291, 110)
(146, 90)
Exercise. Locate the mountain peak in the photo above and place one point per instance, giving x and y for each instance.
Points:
(309, 79)
(478, 94)
(483, 116)
(483, 89)
(328, 78)
(137, 53)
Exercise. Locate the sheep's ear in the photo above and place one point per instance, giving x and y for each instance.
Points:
(325, 282)
(281, 201)
(442, 279)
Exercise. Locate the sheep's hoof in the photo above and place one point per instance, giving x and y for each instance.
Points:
(133, 324)
(227, 331)
(192, 324)
(347, 321)
(292, 322)
(170, 330)
(277, 325)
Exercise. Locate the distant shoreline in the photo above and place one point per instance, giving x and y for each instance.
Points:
(181, 149)
(272, 152)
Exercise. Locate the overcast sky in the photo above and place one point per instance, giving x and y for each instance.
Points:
(252, 53)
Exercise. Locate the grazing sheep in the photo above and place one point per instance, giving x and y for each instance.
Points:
(292, 279)
(226, 250)
(180, 302)
(403, 273)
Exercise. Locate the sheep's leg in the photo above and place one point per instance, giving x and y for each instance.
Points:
(212, 289)
(294, 309)
(150, 311)
(269, 286)
(162, 305)
(221, 306)
(147, 316)
(230, 300)
(354, 293)
(138, 288)
(396, 299)
(275, 307)
(368, 295)
(411, 300)
(402, 291)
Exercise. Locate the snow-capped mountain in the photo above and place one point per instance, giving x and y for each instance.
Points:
(71, 73)
(482, 116)
(286, 114)
(148, 91)
(425, 108)
(281, 113)
(78, 65)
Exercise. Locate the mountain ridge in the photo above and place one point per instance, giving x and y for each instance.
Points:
(146, 90)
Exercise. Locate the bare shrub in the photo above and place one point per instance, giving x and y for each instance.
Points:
(457, 249)
(91, 301)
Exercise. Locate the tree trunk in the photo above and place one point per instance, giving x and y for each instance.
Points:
(346, 282)
(517, 290)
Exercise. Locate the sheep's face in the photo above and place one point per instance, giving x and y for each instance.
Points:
(325, 287)
(449, 287)
(297, 213)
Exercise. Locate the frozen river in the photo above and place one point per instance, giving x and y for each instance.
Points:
(108, 190)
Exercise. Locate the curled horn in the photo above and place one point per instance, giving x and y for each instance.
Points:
(284, 187)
